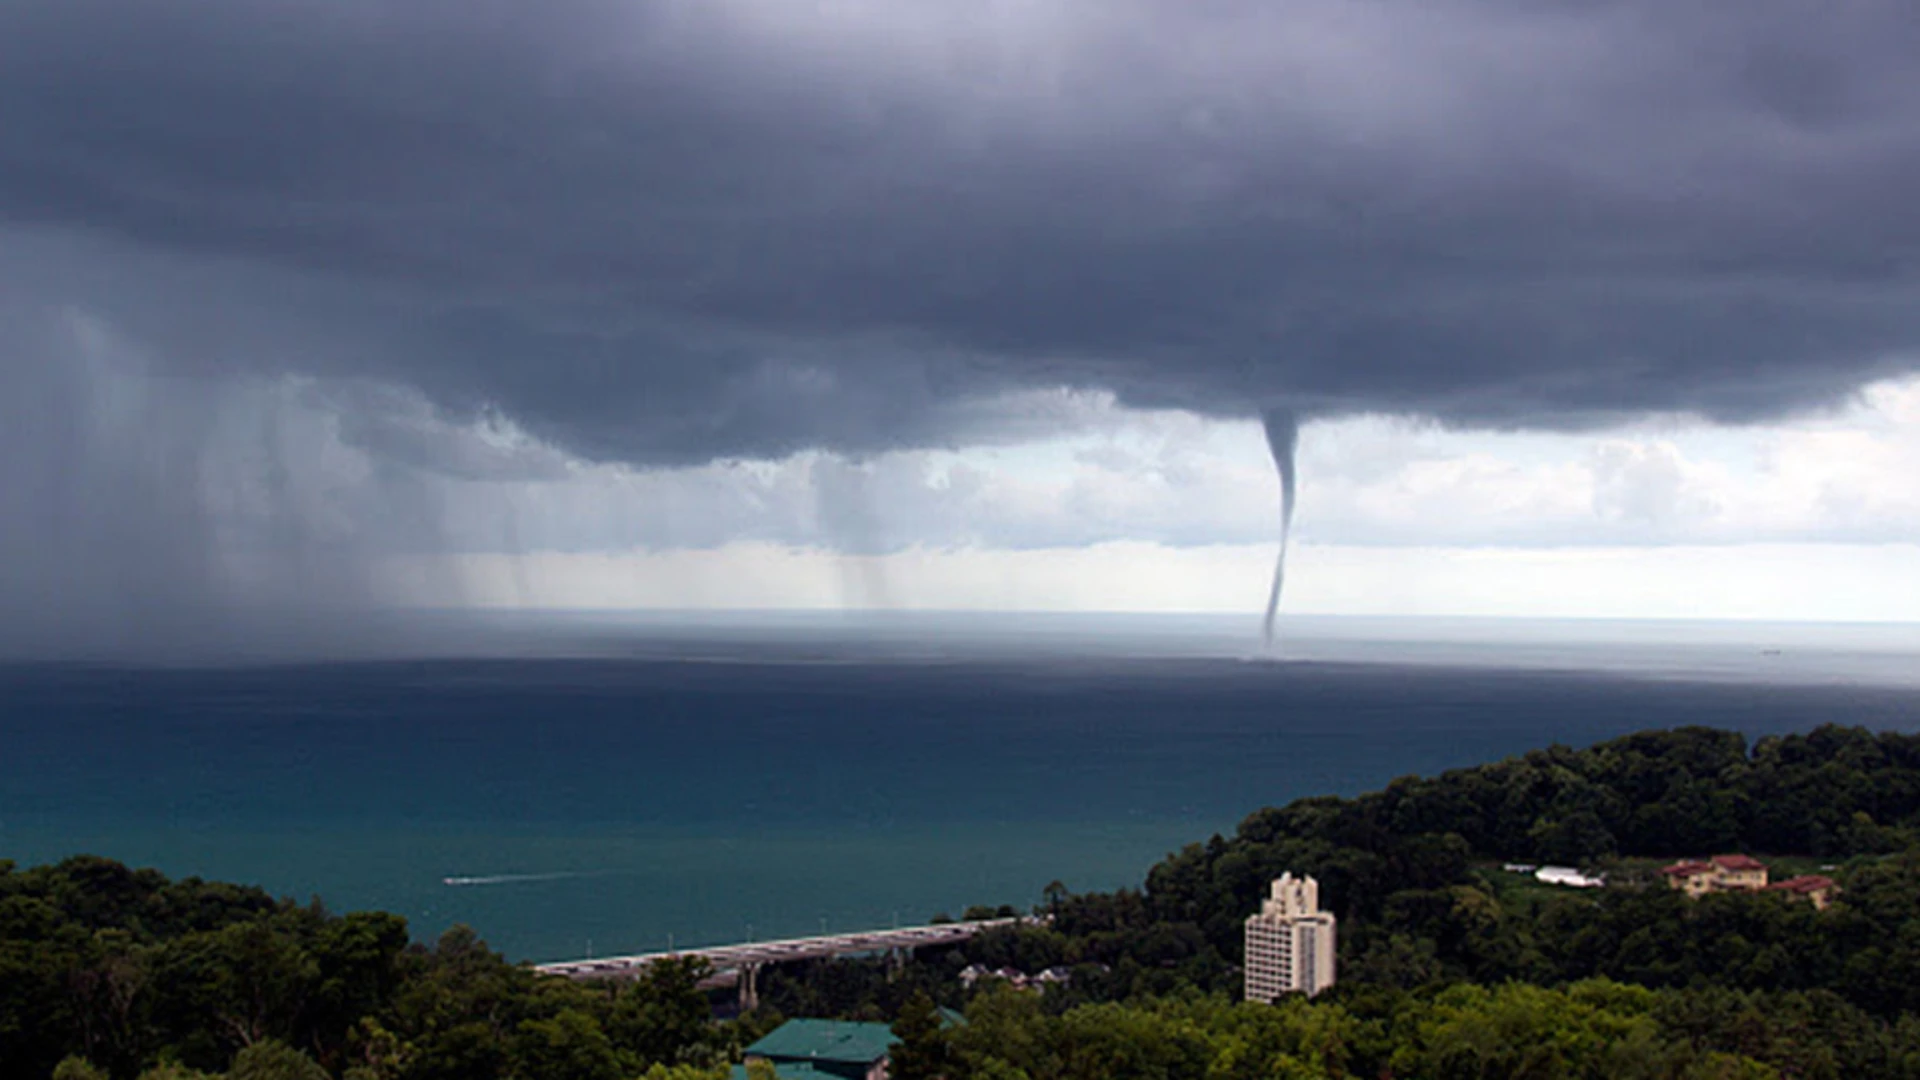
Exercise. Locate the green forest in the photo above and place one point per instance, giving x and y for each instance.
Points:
(1450, 966)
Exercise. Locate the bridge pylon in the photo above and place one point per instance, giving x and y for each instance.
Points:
(749, 986)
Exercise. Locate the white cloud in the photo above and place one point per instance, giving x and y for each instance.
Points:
(1174, 479)
(1127, 510)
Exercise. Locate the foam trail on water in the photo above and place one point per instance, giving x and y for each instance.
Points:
(1283, 436)
(516, 879)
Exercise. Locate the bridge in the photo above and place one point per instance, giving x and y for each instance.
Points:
(739, 964)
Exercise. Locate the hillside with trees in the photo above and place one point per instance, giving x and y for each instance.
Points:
(1412, 873)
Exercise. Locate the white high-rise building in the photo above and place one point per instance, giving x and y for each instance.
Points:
(1289, 942)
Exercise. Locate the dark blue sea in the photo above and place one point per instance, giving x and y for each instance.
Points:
(604, 786)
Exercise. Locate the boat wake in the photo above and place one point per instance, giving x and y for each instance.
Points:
(517, 879)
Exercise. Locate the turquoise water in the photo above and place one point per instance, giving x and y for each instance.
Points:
(602, 892)
(721, 782)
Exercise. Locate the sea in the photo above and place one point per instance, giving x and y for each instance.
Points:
(577, 786)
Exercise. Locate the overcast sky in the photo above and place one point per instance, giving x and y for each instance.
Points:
(313, 307)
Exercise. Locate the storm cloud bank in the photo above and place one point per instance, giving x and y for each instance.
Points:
(668, 231)
(664, 232)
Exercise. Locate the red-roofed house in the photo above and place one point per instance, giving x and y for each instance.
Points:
(1815, 887)
(1722, 873)
(1740, 871)
(1693, 878)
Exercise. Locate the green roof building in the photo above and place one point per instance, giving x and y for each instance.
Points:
(823, 1050)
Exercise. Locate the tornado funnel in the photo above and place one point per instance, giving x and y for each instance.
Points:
(1283, 436)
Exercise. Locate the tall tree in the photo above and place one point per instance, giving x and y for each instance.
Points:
(923, 1051)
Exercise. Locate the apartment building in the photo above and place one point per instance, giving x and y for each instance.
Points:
(1289, 942)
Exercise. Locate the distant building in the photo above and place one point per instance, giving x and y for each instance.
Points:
(1567, 876)
(1740, 871)
(1290, 942)
(1744, 873)
(973, 974)
(823, 1050)
(1722, 873)
(1817, 888)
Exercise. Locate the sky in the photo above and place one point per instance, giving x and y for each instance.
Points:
(311, 310)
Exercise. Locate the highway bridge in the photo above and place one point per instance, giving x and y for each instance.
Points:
(738, 964)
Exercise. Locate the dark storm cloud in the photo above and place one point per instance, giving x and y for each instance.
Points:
(668, 231)
(154, 515)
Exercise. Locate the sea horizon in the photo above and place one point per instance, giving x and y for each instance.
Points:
(712, 779)
(1703, 648)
